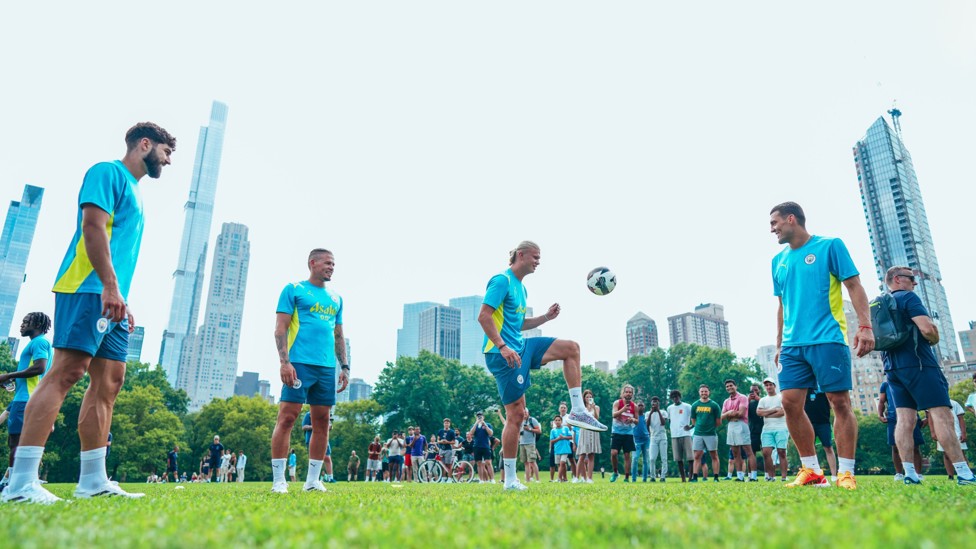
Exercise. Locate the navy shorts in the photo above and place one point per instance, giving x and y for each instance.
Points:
(482, 454)
(513, 382)
(916, 434)
(823, 433)
(318, 386)
(15, 421)
(919, 388)
(76, 319)
(827, 365)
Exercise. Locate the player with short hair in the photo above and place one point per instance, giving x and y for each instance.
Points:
(92, 320)
(811, 339)
(510, 357)
(681, 448)
(34, 361)
(373, 463)
(735, 410)
(775, 435)
(706, 418)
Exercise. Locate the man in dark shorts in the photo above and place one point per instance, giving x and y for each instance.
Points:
(510, 357)
(888, 416)
(481, 432)
(216, 452)
(817, 408)
(755, 424)
(622, 431)
(445, 444)
(917, 383)
(172, 463)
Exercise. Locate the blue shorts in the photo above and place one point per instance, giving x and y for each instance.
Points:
(318, 386)
(916, 434)
(775, 439)
(826, 365)
(513, 382)
(76, 327)
(919, 388)
(823, 433)
(15, 421)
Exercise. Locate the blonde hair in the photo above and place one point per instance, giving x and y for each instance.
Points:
(624, 388)
(523, 245)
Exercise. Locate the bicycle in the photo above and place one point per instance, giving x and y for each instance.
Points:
(433, 470)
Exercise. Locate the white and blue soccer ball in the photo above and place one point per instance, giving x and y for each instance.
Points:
(601, 281)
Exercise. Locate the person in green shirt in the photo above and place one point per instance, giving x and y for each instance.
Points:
(706, 417)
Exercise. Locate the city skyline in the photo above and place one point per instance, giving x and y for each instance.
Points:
(668, 169)
(898, 224)
(198, 211)
(15, 248)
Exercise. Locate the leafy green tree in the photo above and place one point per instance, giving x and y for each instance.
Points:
(143, 431)
(356, 423)
(140, 374)
(705, 365)
(243, 423)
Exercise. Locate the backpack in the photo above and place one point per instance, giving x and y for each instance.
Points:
(891, 329)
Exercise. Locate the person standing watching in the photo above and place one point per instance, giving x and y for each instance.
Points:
(706, 418)
(775, 435)
(656, 420)
(373, 464)
(241, 464)
(92, 318)
(735, 410)
(589, 444)
(917, 383)
(622, 432)
(352, 467)
(172, 463)
(417, 448)
(817, 409)
(642, 444)
(482, 433)
(395, 446)
(528, 453)
(680, 415)
(445, 446)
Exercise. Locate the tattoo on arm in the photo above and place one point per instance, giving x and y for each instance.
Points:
(282, 343)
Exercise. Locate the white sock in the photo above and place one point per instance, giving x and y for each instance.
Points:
(314, 468)
(752, 475)
(845, 465)
(510, 476)
(576, 399)
(93, 474)
(6, 476)
(26, 463)
(741, 475)
(910, 470)
(811, 462)
(962, 470)
(278, 469)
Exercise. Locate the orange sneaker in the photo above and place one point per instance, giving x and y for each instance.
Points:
(807, 477)
(846, 480)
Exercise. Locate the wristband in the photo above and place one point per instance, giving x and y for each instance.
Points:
(344, 367)
(502, 345)
(863, 327)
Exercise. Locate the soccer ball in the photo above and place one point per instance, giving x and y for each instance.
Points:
(601, 281)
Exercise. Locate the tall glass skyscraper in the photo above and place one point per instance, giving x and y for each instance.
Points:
(897, 224)
(472, 336)
(208, 368)
(188, 290)
(642, 337)
(440, 331)
(134, 352)
(18, 233)
(408, 337)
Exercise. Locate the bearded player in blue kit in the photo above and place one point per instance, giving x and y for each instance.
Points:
(509, 356)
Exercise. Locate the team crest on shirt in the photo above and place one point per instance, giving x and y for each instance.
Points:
(809, 259)
(520, 379)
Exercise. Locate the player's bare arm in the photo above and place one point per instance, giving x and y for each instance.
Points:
(340, 350)
(864, 338)
(779, 330)
(928, 328)
(94, 221)
(288, 374)
(35, 369)
(536, 321)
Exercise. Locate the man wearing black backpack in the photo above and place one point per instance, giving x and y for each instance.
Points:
(916, 380)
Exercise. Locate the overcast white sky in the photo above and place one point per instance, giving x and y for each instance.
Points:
(422, 140)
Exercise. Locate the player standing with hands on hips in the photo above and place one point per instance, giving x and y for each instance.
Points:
(308, 335)
(92, 320)
(509, 356)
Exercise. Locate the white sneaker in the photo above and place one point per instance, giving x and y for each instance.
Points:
(584, 420)
(106, 490)
(279, 488)
(316, 486)
(589, 481)
(575, 480)
(32, 493)
(493, 481)
(899, 477)
(517, 487)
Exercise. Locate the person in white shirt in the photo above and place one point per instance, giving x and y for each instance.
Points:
(680, 415)
(775, 434)
(959, 415)
(656, 419)
(241, 463)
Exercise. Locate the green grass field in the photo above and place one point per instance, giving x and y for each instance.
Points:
(879, 514)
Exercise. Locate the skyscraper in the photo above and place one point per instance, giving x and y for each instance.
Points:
(897, 223)
(208, 367)
(472, 336)
(706, 326)
(766, 357)
(968, 339)
(440, 331)
(15, 246)
(134, 353)
(198, 210)
(407, 337)
(641, 335)
(359, 389)
(247, 384)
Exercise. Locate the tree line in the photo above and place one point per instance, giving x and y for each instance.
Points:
(151, 416)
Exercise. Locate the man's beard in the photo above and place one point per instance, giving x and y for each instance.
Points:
(154, 168)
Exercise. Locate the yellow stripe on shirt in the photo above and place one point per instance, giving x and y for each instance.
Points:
(836, 299)
(498, 318)
(81, 267)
